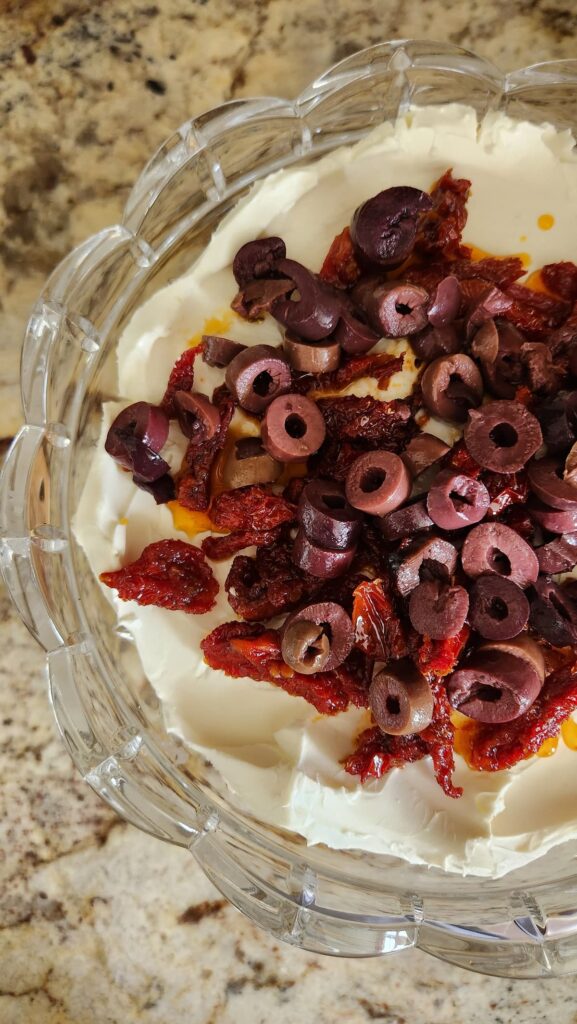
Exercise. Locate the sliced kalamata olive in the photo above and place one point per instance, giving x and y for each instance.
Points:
(545, 481)
(256, 298)
(432, 342)
(162, 489)
(258, 375)
(553, 519)
(422, 451)
(559, 555)
(502, 436)
(521, 647)
(504, 373)
(315, 313)
(485, 343)
(353, 336)
(293, 428)
(319, 561)
(135, 439)
(570, 468)
(393, 310)
(492, 303)
(541, 374)
(432, 558)
(553, 613)
(378, 482)
(493, 686)
(326, 516)
(496, 548)
(451, 386)
(456, 500)
(384, 227)
(305, 647)
(336, 626)
(401, 700)
(558, 419)
(197, 416)
(438, 609)
(406, 521)
(499, 609)
(217, 351)
(257, 259)
(445, 302)
(250, 464)
(309, 357)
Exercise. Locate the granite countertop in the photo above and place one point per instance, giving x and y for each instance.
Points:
(100, 924)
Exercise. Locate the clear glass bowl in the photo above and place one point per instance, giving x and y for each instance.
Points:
(342, 903)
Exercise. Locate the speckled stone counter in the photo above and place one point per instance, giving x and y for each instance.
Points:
(100, 924)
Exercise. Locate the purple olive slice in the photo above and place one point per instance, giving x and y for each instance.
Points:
(502, 436)
(558, 419)
(257, 259)
(422, 451)
(256, 376)
(559, 555)
(319, 561)
(438, 609)
(256, 298)
(456, 500)
(293, 428)
(393, 310)
(135, 439)
(377, 482)
(217, 351)
(521, 647)
(250, 464)
(197, 416)
(553, 613)
(336, 628)
(451, 386)
(552, 519)
(432, 558)
(315, 313)
(493, 687)
(485, 342)
(327, 517)
(353, 336)
(305, 647)
(445, 302)
(492, 303)
(499, 609)
(545, 481)
(401, 700)
(309, 357)
(384, 227)
(493, 548)
(432, 342)
(406, 521)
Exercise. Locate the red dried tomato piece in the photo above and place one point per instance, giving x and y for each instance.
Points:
(439, 657)
(440, 739)
(535, 313)
(496, 747)
(380, 365)
(181, 378)
(169, 574)
(458, 458)
(505, 489)
(561, 278)
(269, 583)
(194, 483)
(340, 267)
(502, 271)
(426, 273)
(378, 629)
(253, 515)
(441, 227)
(368, 421)
(562, 340)
(250, 650)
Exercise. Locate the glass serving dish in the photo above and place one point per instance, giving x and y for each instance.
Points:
(342, 903)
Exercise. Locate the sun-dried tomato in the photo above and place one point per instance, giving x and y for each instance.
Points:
(535, 313)
(170, 574)
(442, 227)
(269, 583)
(377, 753)
(524, 396)
(380, 365)
(517, 518)
(496, 747)
(334, 459)
(340, 267)
(253, 515)
(458, 458)
(505, 489)
(562, 340)
(378, 629)
(251, 650)
(368, 421)
(561, 278)
(194, 477)
(439, 657)
(501, 271)
(181, 378)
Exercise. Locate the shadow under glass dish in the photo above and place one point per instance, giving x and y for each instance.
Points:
(347, 903)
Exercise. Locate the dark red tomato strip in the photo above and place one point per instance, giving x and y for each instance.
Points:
(170, 574)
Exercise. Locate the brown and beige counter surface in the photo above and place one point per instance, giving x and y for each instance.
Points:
(100, 924)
